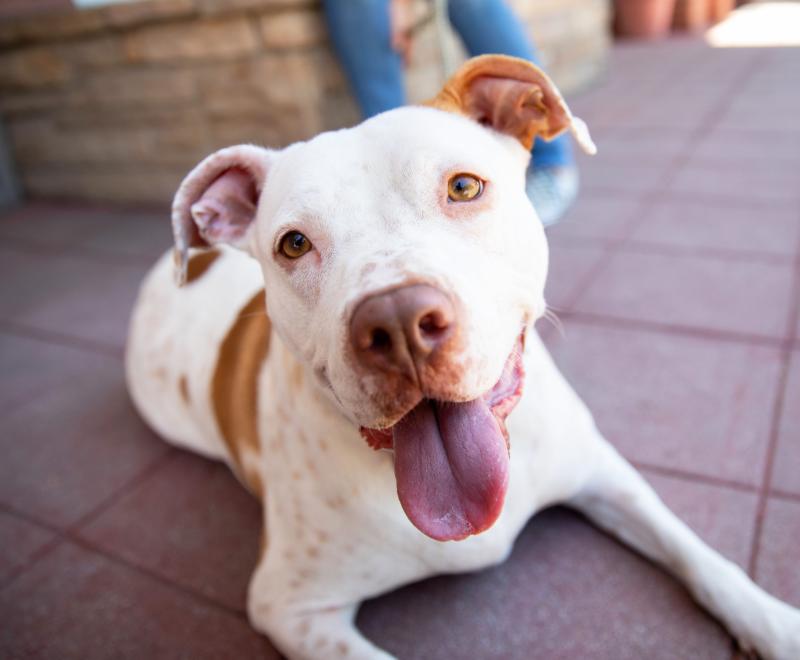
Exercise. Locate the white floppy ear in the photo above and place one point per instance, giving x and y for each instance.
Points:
(217, 201)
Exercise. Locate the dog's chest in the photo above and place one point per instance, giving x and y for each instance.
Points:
(340, 491)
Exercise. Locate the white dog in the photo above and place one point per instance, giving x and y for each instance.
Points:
(372, 409)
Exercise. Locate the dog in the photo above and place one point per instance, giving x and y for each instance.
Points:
(354, 337)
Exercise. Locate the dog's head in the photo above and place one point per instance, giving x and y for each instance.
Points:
(403, 261)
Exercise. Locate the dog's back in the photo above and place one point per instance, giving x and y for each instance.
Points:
(170, 370)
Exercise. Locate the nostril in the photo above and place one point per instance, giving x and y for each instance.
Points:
(433, 325)
(381, 341)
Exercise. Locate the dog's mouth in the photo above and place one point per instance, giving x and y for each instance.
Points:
(452, 458)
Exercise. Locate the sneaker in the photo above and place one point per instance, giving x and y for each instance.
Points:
(552, 190)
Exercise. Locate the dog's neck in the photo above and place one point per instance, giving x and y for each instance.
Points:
(307, 397)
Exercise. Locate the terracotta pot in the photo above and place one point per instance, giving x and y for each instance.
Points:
(643, 19)
(692, 14)
(720, 9)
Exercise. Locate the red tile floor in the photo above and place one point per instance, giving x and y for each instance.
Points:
(676, 277)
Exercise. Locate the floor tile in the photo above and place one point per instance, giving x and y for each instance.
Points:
(722, 517)
(773, 117)
(145, 235)
(569, 267)
(595, 219)
(50, 223)
(737, 145)
(567, 591)
(71, 447)
(776, 566)
(644, 145)
(693, 225)
(746, 182)
(31, 367)
(70, 295)
(786, 466)
(20, 541)
(701, 292)
(77, 604)
(190, 521)
(661, 112)
(78, 229)
(622, 176)
(699, 405)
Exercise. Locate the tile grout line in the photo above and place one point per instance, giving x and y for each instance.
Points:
(62, 536)
(687, 331)
(156, 577)
(671, 169)
(134, 482)
(700, 197)
(653, 247)
(777, 414)
(643, 202)
(67, 533)
(70, 535)
(695, 477)
(74, 250)
(25, 331)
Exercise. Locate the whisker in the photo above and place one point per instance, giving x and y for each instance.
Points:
(552, 317)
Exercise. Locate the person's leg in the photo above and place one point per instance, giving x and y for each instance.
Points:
(360, 33)
(489, 26)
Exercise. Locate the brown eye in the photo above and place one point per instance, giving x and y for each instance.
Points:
(294, 245)
(464, 187)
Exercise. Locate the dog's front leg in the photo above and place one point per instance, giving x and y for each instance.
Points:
(303, 631)
(619, 500)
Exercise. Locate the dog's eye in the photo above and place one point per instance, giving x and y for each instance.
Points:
(294, 245)
(464, 187)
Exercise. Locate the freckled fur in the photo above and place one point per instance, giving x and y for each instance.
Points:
(369, 198)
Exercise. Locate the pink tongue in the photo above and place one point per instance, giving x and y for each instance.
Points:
(451, 465)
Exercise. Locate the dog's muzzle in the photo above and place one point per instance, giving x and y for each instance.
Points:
(402, 331)
(451, 455)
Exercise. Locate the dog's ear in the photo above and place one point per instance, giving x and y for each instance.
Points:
(216, 202)
(512, 96)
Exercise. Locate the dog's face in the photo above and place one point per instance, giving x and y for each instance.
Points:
(402, 262)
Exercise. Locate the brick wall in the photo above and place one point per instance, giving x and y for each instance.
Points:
(118, 103)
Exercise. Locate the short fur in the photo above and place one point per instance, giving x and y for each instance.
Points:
(282, 403)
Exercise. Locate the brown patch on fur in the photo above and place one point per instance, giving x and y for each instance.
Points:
(199, 263)
(254, 484)
(511, 95)
(343, 648)
(296, 377)
(183, 388)
(234, 386)
(336, 502)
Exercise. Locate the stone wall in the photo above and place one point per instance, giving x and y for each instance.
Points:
(118, 103)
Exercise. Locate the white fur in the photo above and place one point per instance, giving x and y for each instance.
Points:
(369, 200)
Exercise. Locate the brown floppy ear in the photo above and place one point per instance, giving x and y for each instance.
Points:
(512, 96)
(216, 202)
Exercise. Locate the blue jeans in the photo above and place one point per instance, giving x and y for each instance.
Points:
(360, 33)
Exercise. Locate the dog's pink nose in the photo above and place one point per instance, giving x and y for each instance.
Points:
(400, 329)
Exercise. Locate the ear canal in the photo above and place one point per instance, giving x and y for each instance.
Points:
(216, 202)
(512, 96)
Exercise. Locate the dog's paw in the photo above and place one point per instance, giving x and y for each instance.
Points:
(781, 640)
